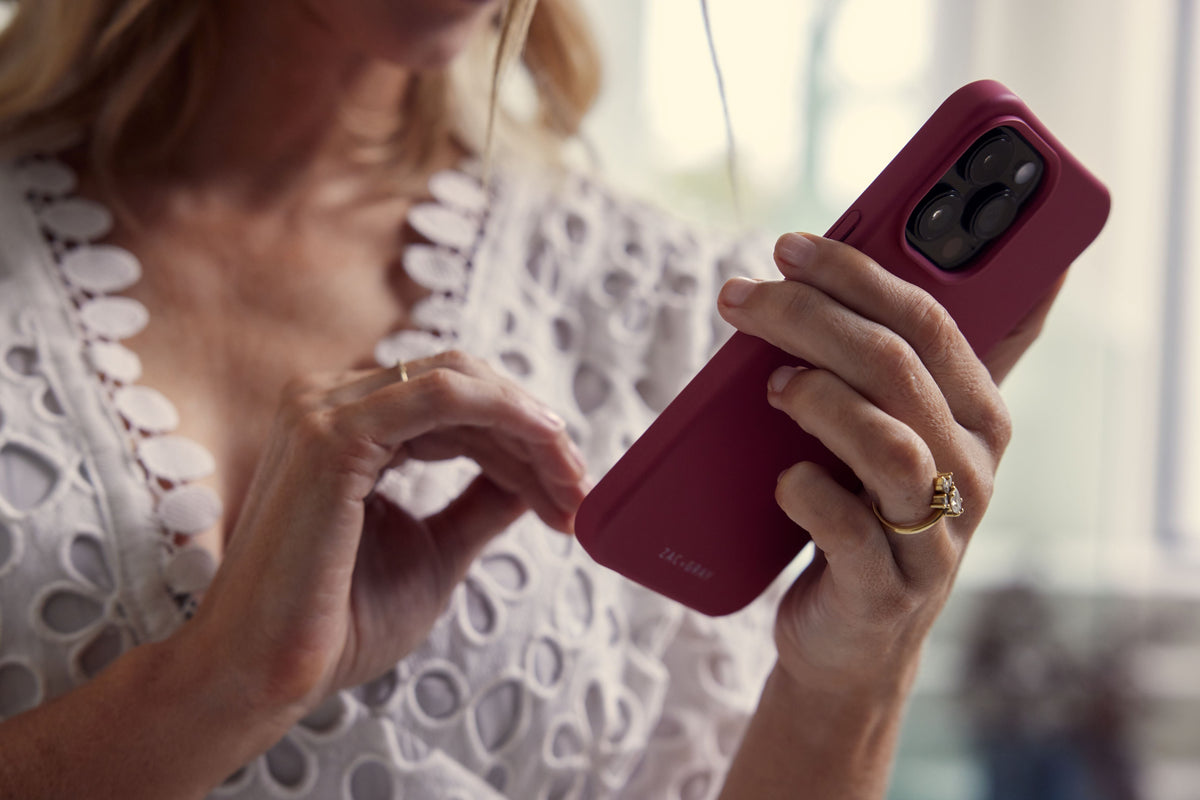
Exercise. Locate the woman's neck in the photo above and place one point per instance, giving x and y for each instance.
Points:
(287, 108)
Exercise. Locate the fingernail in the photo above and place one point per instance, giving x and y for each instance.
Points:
(736, 291)
(795, 250)
(554, 421)
(779, 378)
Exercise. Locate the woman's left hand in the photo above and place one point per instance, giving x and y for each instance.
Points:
(897, 393)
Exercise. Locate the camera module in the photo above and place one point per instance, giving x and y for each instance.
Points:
(977, 200)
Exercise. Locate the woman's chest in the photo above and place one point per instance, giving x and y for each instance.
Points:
(221, 349)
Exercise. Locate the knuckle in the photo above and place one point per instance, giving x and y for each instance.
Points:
(311, 428)
(300, 394)
(302, 406)
(809, 388)
(995, 425)
(847, 257)
(457, 360)
(335, 433)
(358, 455)
(901, 369)
(351, 448)
(985, 486)
(931, 327)
(866, 263)
(439, 388)
(901, 455)
(794, 485)
(802, 492)
(977, 489)
(799, 301)
(898, 361)
(509, 394)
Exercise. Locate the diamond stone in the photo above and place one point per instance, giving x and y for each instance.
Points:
(954, 506)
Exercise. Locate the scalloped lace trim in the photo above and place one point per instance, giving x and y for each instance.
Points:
(452, 223)
(93, 274)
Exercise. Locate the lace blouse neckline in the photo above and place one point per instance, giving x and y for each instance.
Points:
(94, 274)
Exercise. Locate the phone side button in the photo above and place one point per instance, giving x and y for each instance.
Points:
(844, 226)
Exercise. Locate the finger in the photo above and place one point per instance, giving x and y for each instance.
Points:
(355, 385)
(557, 466)
(856, 281)
(442, 398)
(519, 447)
(893, 463)
(434, 447)
(554, 502)
(560, 458)
(558, 463)
(875, 361)
(876, 568)
(561, 469)
(888, 456)
(840, 526)
(546, 444)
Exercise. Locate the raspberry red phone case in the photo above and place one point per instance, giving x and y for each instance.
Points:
(690, 510)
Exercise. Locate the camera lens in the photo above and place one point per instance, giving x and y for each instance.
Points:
(990, 160)
(993, 213)
(939, 214)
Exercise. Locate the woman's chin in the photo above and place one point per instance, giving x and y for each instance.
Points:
(418, 34)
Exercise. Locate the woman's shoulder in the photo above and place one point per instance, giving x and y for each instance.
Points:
(577, 188)
(24, 214)
(18, 179)
(587, 204)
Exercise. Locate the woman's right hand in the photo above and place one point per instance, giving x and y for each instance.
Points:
(325, 584)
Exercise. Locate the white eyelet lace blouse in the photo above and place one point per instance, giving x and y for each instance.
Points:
(547, 677)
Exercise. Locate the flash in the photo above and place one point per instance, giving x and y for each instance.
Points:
(1025, 173)
(953, 248)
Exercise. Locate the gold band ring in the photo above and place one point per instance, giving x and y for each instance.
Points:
(947, 502)
(400, 368)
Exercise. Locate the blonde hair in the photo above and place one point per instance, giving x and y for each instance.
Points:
(100, 69)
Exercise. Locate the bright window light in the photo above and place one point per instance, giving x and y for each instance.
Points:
(861, 138)
(881, 44)
(761, 47)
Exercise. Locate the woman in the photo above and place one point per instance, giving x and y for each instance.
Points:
(219, 203)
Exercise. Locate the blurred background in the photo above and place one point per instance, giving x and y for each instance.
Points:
(1068, 662)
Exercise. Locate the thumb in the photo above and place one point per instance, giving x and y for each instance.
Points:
(462, 528)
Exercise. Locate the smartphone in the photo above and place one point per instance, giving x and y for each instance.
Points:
(983, 208)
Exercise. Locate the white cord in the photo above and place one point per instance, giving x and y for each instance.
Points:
(730, 142)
